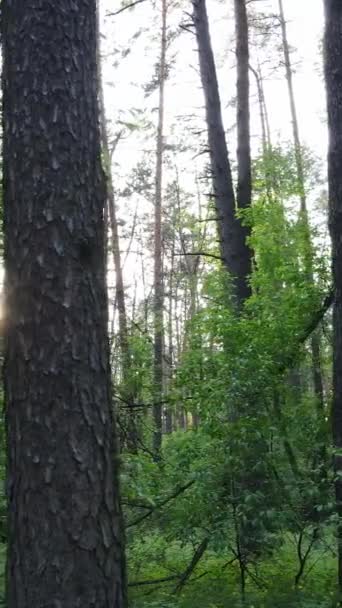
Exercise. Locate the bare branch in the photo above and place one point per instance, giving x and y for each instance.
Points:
(183, 577)
(161, 504)
(208, 255)
(155, 581)
(124, 8)
(196, 558)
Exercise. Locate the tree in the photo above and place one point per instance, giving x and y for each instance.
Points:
(64, 531)
(234, 250)
(315, 342)
(244, 185)
(333, 77)
(158, 263)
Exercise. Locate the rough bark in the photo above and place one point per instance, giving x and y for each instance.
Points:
(62, 474)
(158, 264)
(234, 250)
(333, 76)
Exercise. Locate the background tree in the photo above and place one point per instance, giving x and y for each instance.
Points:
(232, 236)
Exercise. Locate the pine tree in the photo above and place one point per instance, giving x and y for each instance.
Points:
(64, 546)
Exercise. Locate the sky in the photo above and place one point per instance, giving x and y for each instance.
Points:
(305, 25)
(184, 97)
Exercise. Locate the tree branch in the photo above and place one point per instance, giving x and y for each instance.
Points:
(161, 504)
(307, 331)
(196, 558)
(124, 8)
(208, 255)
(184, 576)
(155, 581)
(317, 318)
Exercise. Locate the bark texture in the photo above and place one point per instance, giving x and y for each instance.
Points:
(234, 250)
(244, 184)
(64, 516)
(333, 75)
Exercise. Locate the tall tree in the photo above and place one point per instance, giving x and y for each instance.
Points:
(293, 109)
(235, 252)
(158, 246)
(63, 495)
(315, 342)
(333, 77)
(244, 183)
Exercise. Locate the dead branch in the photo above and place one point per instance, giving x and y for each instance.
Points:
(161, 504)
(124, 8)
(196, 558)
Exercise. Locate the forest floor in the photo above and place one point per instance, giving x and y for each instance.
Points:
(216, 582)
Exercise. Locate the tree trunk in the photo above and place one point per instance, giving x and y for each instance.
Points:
(308, 254)
(131, 434)
(244, 185)
(64, 545)
(265, 130)
(158, 264)
(333, 76)
(294, 119)
(234, 250)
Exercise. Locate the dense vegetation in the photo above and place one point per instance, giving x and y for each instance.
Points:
(222, 337)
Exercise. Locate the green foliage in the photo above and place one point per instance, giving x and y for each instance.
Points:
(248, 481)
(256, 487)
(216, 582)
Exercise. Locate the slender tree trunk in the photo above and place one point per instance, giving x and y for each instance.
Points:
(333, 77)
(115, 240)
(294, 119)
(62, 475)
(168, 411)
(158, 265)
(131, 435)
(265, 132)
(235, 253)
(308, 254)
(265, 128)
(263, 101)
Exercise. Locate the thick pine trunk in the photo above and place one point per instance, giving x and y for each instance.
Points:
(333, 76)
(244, 184)
(62, 481)
(234, 250)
